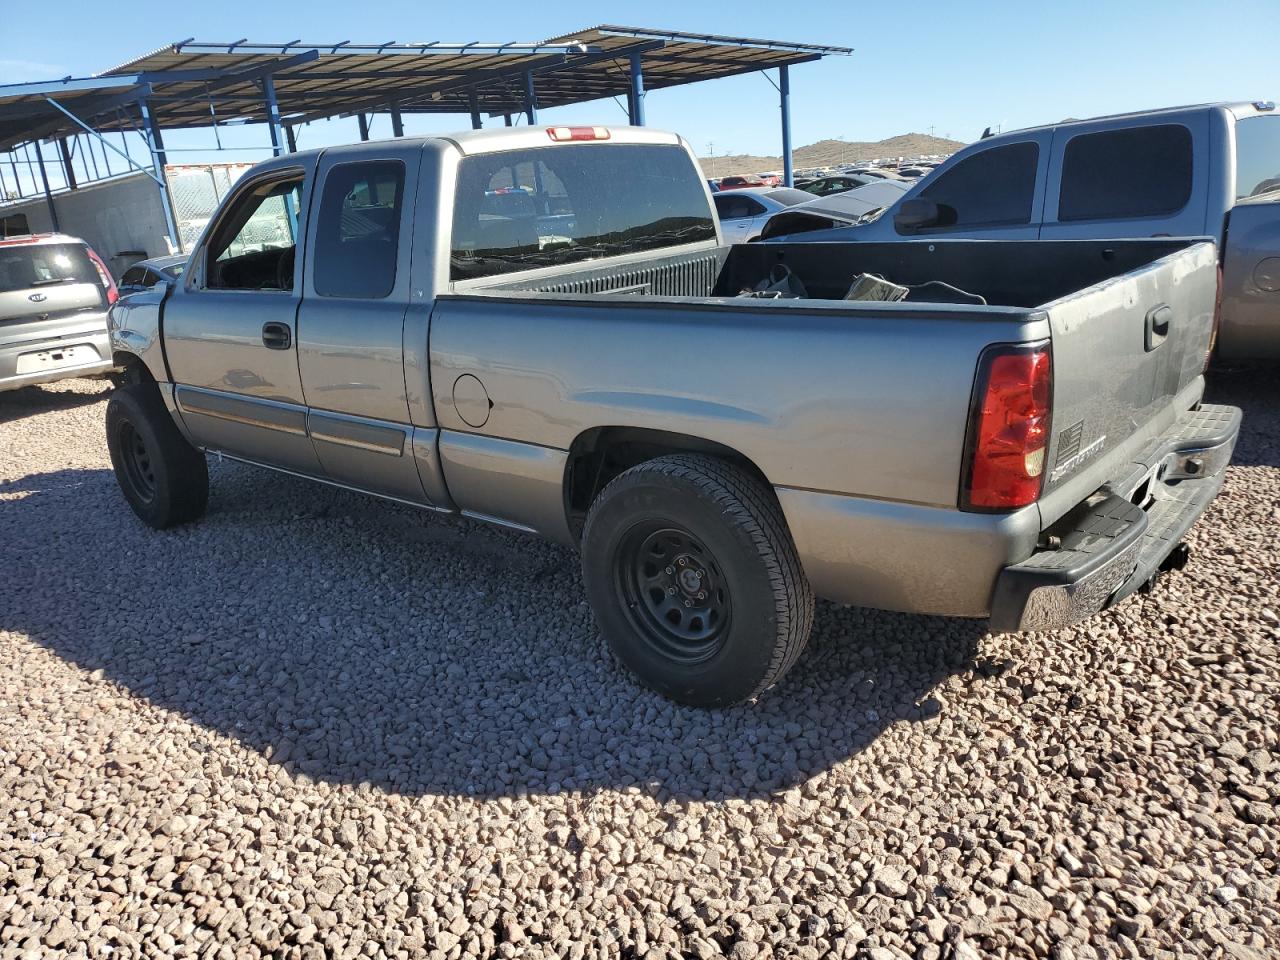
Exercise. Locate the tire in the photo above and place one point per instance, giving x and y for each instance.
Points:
(694, 579)
(164, 478)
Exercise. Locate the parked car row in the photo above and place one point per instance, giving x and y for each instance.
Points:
(756, 213)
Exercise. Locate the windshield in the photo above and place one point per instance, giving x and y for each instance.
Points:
(1257, 156)
(523, 209)
(44, 265)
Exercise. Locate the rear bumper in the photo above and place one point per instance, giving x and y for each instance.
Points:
(1111, 546)
(61, 352)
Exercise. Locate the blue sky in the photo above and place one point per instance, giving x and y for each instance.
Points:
(952, 68)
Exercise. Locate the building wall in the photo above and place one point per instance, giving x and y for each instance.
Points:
(123, 218)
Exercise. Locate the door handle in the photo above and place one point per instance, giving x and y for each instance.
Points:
(1159, 321)
(277, 336)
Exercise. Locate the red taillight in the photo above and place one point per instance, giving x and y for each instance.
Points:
(562, 134)
(112, 293)
(1009, 432)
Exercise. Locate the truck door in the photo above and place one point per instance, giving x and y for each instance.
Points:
(231, 332)
(352, 320)
(1134, 178)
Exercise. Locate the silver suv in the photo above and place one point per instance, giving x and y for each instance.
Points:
(54, 296)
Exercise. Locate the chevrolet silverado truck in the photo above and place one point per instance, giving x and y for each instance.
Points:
(541, 328)
(1211, 170)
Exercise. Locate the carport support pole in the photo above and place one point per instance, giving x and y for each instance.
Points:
(290, 139)
(273, 115)
(158, 161)
(66, 162)
(476, 122)
(48, 195)
(364, 126)
(784, 96)
(636, 97)
(17, 180)
(530, 99)
(397, 121)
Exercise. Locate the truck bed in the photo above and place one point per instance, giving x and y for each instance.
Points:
(1004, 273)
(1095, 300)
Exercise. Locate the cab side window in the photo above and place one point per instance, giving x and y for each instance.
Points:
(989, 188)
(1116, 174)
(254, 245)
(358, 231)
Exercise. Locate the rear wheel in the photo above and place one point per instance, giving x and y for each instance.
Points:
(164, 478)
(695, 581)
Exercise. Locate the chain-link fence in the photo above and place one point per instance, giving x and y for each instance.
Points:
(197, 189)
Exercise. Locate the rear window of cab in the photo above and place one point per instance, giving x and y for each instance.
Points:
(568, 203)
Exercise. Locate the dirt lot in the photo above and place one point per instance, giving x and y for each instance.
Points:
(320, 725)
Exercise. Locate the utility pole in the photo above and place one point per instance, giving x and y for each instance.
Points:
(711, 158)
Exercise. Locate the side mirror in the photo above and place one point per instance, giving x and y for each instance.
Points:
(921, 212)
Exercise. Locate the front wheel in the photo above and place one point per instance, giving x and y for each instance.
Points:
(164, 478)
(695, 581)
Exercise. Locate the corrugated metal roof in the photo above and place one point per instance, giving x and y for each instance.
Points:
(194, 84)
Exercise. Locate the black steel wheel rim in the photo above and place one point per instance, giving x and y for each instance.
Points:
(137, 463)
(674, 591)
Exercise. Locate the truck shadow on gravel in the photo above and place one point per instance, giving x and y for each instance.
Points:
(1256, 390)
(29, 401)
(360, 642)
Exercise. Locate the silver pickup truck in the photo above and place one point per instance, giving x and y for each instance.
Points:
(541, 328)
(1210, 170)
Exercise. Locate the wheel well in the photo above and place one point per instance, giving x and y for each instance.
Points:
(601, 453)
(134, 370)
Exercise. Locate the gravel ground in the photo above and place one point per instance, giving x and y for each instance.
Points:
(320, 725)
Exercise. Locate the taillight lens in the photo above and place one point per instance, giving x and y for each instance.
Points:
(1009, 431)
(105, 275)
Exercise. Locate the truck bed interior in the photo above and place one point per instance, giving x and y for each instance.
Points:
(1003, 273)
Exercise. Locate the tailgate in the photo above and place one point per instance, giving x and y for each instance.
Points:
(1123, 350)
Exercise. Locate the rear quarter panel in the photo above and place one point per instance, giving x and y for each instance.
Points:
(869, 403)
(1251, 284)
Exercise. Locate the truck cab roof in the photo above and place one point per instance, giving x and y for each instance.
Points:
(474, 142)
(1239, 109)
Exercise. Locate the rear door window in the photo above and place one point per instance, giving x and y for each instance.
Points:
(1257, 156)
(566, 203)
(1121, 174)
(358, 234)
(992, 187)
(737, 206)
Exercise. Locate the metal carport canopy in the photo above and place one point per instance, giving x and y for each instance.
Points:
(192, 84)
(195, 84)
